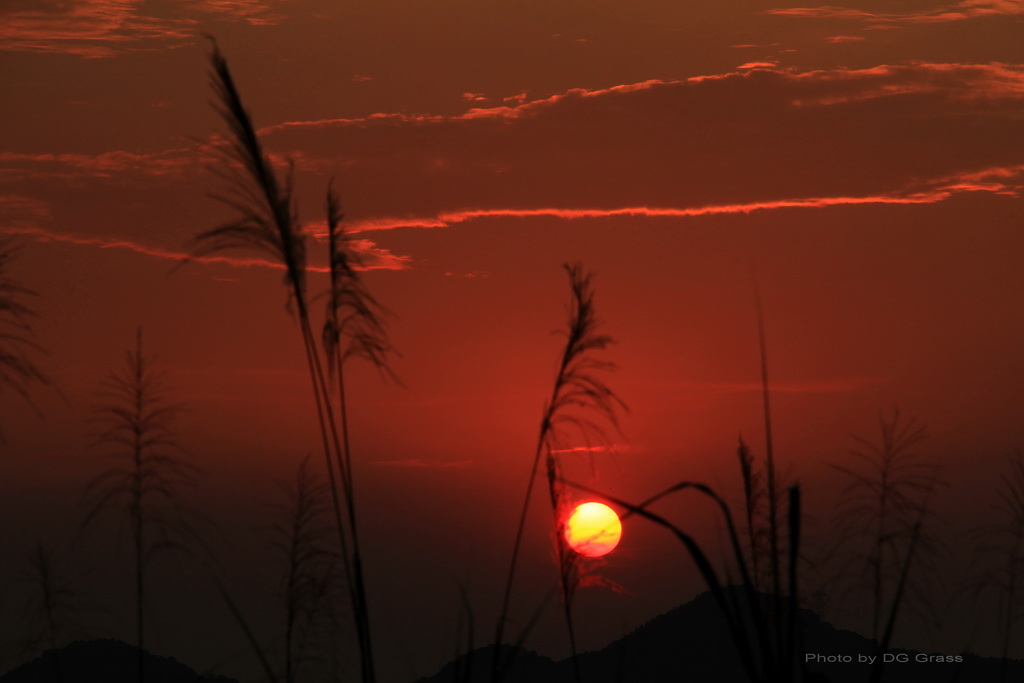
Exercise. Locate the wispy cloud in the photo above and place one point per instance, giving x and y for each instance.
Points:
(21, 215)
(998, 180)
(254, 12)
(125, 166)
(102, 28)
(590, 450)
(961, 11)
(20, 212)
(377, 258)
(683, 149)
(169, 162)
(518, 107)
(952, 81)
(968, 81)
(87, 28)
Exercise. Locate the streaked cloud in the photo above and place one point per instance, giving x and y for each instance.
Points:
(517, 107)
(1007, 181)
(20, 212)
(20, 165)
(961, 11)
(590, 450)
(102, 28)
(136, 166)
(965, 82)
(762, 139)
(377, 258)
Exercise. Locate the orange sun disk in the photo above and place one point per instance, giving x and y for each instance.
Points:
(593, 529)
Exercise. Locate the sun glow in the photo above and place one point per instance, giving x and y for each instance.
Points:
(593, 529)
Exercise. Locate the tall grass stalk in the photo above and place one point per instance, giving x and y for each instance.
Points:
(250, 635)
(768, 647)
(766, 656)
(1011, 508)
(53, 609)
(880, 521)
(770, 485)
(1003, 551)
(301, 539)
(266, 221)
(135, 422)
(770, 488)
(581, 401)
(753, 497)
(353, 328)
(464, 643)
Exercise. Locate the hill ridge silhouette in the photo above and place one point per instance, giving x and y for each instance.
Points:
(104, 660)
(691, 643)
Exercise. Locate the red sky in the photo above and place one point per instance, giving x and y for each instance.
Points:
(862, 160)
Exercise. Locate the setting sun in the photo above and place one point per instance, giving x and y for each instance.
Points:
(593, 529)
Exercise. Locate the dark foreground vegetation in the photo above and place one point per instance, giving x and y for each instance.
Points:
(690, 642)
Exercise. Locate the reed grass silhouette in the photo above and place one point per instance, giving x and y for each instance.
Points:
(266, 222)
(580, 402)
(54, 609)
(1002, 549)
(880, 520)
(765, 654)
(301, 537)
(18, 370)
(145, 485)
(353, 328)
(764, 627)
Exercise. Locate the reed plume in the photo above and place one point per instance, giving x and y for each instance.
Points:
(1003, 552)
(312, 567)
(353, 328)
(54, 609)
(580, 402)
(879, 522)
(18, 371)
(135, 419)
(267, 222)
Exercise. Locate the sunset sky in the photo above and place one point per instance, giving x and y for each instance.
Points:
(858, 164)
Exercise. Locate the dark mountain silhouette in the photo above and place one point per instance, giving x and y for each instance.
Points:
(692, 643)
(103, 661)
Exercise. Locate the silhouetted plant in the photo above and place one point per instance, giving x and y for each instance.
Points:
(266, 221)
(313, 566)
(757, 528)
(243, 624)
(53, 608)
(752, 501)
(145, 485)
(581, 402)
(18, 371)
(766, 544)
(770, 481)
(880, 523)
(464, 631)
(767, 656)
(1004, 547)
(353, 328)
(763, 628)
